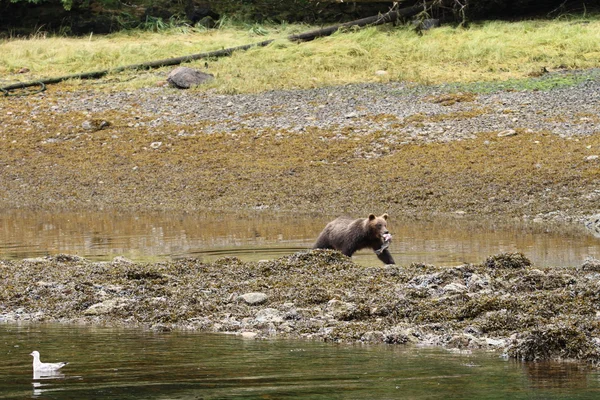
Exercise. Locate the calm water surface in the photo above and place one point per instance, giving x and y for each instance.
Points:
(102, 236)
(131, 364)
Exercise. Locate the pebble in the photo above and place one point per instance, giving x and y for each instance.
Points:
(249, 335)
(507, 132)
(269, 315)
(254, 298)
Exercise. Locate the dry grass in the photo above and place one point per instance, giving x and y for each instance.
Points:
(488, 52)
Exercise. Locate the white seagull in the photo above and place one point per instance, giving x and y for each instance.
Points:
(39, 366)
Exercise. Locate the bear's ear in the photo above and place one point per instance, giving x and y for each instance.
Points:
(371, 217)
(384, 216)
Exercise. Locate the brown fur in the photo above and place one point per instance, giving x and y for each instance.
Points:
(350, 235)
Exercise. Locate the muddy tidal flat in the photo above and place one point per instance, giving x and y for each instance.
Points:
(527, 150)
(503, 304)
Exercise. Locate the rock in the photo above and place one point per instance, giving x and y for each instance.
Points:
(341, 310)
(430, 281)
(593, 224)
(454, 287)
(121, 260)
(46, 284)
(495, 342)
(399, 336)
(381, 72)
(106, 307)
(507, 132)
(95, 124)
(269, 315)
(477, 282)
(552, 342)
(249, 335)
(254, 298)
(460, 341)
(507, 261)
(161, 328)
(66, 258)
(372, 336)
(353, 114)
(184, 77)
(592, 158)
(155, 145)
(472, 330)
(590, 264)
(36, 260)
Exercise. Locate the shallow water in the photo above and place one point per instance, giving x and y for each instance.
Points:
(152, 237)
(132, 364)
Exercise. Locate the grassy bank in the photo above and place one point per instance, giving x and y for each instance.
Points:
(486, 52)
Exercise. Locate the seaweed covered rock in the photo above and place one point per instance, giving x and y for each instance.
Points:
(562, 342)
(542, 313)
(593, 224)
(507, 261)
(590, 264)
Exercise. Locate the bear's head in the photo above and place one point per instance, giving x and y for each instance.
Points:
(378, 225)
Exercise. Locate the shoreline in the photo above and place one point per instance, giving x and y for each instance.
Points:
(504, 304)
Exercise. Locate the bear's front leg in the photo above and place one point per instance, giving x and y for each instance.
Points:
(386, 257)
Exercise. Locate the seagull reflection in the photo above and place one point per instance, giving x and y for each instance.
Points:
(40, 387)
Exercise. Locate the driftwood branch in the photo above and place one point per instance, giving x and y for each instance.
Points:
(391, 16)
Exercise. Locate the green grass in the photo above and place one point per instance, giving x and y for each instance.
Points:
(487, 52)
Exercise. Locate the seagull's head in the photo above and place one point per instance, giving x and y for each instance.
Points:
(35, 353)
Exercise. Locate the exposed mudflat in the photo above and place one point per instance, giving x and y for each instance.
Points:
(503, 304)
(498, 151)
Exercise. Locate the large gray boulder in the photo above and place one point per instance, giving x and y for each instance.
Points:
(185, 78)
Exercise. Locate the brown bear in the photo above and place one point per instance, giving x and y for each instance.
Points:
(349, 235)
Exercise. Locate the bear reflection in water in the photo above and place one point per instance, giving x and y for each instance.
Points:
(350, 235)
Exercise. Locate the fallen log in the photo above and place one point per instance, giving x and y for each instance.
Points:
(390, 16)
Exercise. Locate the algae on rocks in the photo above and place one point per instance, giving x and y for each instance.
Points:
(504, 304)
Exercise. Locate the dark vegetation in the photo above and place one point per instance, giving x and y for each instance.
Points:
(78, 17)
